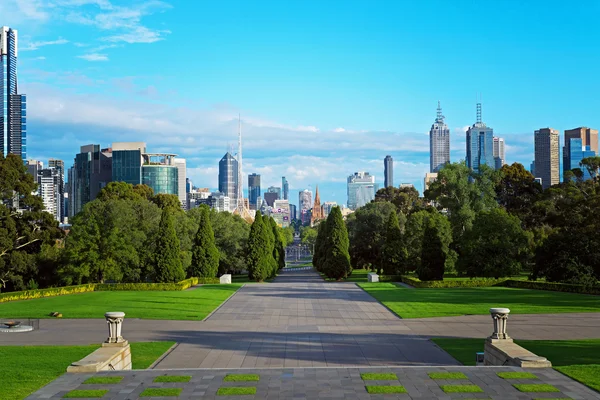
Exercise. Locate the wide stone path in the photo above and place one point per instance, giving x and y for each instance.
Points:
(301, 321)
(325, 383)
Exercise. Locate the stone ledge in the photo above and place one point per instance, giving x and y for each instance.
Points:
(506, 352)
(106, 358)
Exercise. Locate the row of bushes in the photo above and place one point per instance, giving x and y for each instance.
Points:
(487, 282)
(102, 287)
(453, 283)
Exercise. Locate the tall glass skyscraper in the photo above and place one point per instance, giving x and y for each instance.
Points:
(253, 190)
(439, 142)
(13, 121)
(388, 171)
(286, 188)
(361, 189)
(480, 144)
(228, 178)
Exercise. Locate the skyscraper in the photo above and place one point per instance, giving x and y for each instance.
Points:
(48, 181)
(439, 143)
(575, 151)
(59, 166)
(127, 162)
(361, 189)
(228, 178)
(480, 144)
(181, 181)
(286, 188)
(91, 171)
(13, 122)
(388, 171)
(304, 205)
(275, 189)
(589, 138)
(499, 155)
(546, 165)
(253, 190)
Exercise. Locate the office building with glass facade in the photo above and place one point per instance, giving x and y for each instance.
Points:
(285, 185)
(361, 189)
(439, 142)
(574, 153)
(229, 178)
(13, 118)
(91, 171)
(253, 190)
(159, 171)
(480, 144)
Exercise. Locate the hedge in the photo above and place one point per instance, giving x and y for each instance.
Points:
(102, 287)
(556, 287)
(36, 294)
(452, 283)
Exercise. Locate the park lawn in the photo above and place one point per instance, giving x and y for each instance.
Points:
(358, 275)
(191, 304)
(446, 302)
(25, 369)
(577, 359)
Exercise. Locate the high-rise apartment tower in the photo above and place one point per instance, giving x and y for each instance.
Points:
(546, 165)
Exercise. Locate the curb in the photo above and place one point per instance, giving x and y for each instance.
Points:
(163, 356)
(223, 303)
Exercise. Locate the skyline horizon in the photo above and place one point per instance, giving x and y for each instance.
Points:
(324, 94)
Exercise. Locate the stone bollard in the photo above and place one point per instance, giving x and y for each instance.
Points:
(115, 321)
(500, 316)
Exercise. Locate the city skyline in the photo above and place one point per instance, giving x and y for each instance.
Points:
(84, 85)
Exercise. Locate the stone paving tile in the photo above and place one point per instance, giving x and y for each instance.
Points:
(322, 383)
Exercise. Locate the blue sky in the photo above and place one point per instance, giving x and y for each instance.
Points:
(325, 88)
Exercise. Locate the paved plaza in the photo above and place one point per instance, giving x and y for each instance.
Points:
(311, 339)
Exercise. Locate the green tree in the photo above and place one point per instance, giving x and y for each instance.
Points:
(463, 194)
(259, 252)
(496, 246)
(24, 226)
(405, 199)
(435, 249)
(167, 257)
(121, 191)
(366, 230)
(321, 244)
(308, 235)
(592, 166)
(337, 258)
(287, 235)
(394, 252)
(517, 191)
(278, 250)
(163, 201)
(205, 255)
(273, 267)
(144, 191)
(413, 239)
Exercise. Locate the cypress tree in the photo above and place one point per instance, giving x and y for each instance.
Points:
(259, 252)
(278, 251)
(271, 240)
(320, 245)
(205, 254)
(337, 258)
(394, 253)
(434, 252)
(167, 255)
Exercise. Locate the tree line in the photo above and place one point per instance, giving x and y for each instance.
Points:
(490, 224)
(127, 234)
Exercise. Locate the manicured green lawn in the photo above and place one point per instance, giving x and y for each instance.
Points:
(358, 275)
(194, 304)
(577, 359)
(172, 378)
(535, 388)
(236, 391)
(86, 394)
(25, 369)
(516, 375)
(385, 389)
(461, 389)
(161, 392)
(373, 376)
(447, 375)
(103, 380)
(425, 303)
(241, 378)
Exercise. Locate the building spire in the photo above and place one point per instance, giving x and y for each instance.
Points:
(479, 113)
(440, 117)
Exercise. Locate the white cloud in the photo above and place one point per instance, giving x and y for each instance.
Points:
(140, 34)
(339, 130)
(40, 58)
(37, 45)
(94, 57)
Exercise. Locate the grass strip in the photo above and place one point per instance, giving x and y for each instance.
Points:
(161, 392)
(143, 354)
(374, 376)
(461, 389)
(533, 388)
(85, 394)
(587, 374)
(385, 389)
(236, 391)
(516, 375)
(241, 378)
(447, 375)
(103, 380)
(172, 378)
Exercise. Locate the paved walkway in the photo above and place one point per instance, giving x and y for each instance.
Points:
(329, 383)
